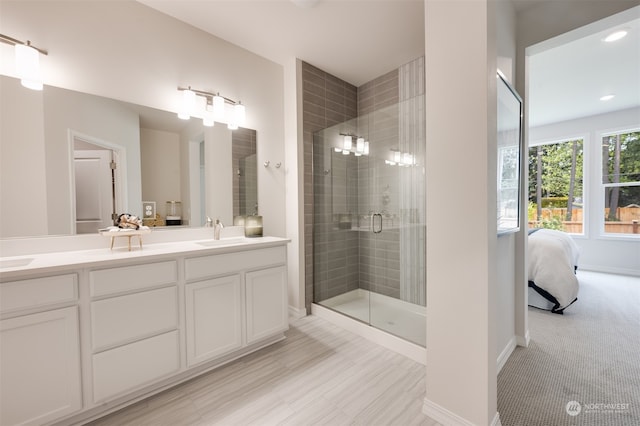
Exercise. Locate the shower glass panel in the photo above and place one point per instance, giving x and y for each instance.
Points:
(369, 219)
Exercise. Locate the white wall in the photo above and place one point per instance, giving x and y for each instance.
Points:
(507, 280)
(295, 185)
(127, 51)
(461, 261)
(22, 161)
(617, 254)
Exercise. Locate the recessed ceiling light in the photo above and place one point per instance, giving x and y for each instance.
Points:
(616, 35)
(607, 97)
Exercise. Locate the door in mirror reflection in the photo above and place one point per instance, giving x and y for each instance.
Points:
(94, 177)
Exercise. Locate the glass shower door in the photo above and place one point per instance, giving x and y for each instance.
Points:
(369, 222)
(394, 266)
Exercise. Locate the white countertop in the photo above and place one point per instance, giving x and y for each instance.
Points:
(16, 266)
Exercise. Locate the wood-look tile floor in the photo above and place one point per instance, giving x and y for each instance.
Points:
(319, 375)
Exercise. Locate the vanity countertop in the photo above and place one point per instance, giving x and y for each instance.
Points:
(17, 266)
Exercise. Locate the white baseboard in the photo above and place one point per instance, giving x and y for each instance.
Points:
(496, 420)
(609, 270)
(442, 415)
(296, 314)
(446, 417)
(506, 353)
(523, 341)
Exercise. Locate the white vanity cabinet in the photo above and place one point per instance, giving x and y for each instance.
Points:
(83, 334)
(234, 300)
(39, 350)
(134, 327)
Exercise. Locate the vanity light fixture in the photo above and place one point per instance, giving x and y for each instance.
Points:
(359, 146)
(401, 159)
(218, 108)
(214, 109)
(240, 114)
(207, 118)
(27, 62)
(346, 145)
(188, 103)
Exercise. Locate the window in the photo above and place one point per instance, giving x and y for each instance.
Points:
(556, 186)
(621, 182)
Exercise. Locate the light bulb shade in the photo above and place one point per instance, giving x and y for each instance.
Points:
(347, 143)
(360, 145)
(188, 103)
(28, 66)
(407, 159)
(218, 108)
(239, 114)
(366, 148)
(207, 118)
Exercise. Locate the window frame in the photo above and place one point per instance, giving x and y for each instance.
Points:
(602, 187)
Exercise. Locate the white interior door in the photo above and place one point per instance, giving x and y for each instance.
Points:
(94, 190)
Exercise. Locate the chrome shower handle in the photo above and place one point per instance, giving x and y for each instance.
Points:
(373, 223)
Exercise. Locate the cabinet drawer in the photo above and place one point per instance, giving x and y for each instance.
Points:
(38, 292)
(130, 367)
(219, 264)
(117, 280)
(125, 318)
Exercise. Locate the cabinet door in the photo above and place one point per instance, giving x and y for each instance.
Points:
(267, 311)
(40, 367)
(214, 318)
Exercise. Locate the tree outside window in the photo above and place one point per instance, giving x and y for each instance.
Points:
(556, 186)
(621, 182)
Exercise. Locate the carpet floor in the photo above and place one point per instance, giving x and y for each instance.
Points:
(583, 367)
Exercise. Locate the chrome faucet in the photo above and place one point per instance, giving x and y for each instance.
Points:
(217, 229)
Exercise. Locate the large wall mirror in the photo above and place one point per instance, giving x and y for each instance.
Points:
(69, 160)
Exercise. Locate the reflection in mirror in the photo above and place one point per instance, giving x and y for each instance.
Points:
(52, 144)
(245, 179)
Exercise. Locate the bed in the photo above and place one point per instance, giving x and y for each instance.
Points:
(552, 265)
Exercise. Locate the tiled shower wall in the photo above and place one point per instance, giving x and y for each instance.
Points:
(351, 188)
(327, 101)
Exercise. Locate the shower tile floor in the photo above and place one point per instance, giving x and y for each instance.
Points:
(402, 319)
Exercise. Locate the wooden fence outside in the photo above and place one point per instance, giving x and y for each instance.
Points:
(629, 220)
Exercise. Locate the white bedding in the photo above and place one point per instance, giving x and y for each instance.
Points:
(553, 257)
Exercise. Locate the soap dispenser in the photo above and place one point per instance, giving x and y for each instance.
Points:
(217, 229)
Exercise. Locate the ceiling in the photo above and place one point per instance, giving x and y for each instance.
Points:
(569, 74)
(358, 41)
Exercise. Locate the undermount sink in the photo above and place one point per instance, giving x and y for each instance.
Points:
(15, 263)
(224, 242)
